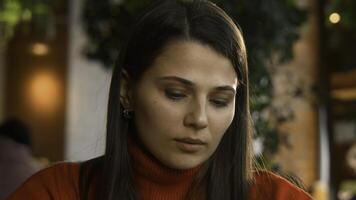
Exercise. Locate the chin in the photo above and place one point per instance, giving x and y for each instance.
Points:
(183, 164)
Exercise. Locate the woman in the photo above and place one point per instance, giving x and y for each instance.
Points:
(178, 124)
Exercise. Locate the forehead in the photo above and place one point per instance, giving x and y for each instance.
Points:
(196, 62)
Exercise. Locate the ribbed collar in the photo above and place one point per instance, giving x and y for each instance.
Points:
(155, 180)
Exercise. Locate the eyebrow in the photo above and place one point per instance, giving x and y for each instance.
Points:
(191, 84)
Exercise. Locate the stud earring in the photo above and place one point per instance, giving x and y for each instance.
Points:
(128, 114)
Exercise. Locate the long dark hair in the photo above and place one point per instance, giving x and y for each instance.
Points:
(228, 170)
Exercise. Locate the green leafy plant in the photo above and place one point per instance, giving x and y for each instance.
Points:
(14, 12)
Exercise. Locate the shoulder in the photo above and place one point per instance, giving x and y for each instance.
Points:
(272, 186)
(59, 171)
(59, 181)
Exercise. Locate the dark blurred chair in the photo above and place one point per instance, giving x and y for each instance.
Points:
(16, 160)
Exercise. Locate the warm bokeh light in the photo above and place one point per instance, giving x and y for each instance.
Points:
(334, 18)
(39, 49)
(348, 94)
(320, 191)
(44, 92)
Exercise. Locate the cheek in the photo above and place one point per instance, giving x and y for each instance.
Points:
(154, 113)
(221, 122)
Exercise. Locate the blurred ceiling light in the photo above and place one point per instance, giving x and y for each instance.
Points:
(335, 18)
(44, 92)
(347, 94)
(40, 49)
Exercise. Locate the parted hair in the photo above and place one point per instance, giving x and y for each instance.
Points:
(226, 174)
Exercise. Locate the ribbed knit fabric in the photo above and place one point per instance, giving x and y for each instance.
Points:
(155, 181)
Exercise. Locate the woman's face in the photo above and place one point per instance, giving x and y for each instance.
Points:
(184, 103)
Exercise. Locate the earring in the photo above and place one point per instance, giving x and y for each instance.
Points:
(128, 114)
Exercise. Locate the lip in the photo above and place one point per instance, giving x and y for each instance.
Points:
(190, 145)
(191, 141)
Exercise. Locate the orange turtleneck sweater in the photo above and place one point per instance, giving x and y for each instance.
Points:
(154, 181)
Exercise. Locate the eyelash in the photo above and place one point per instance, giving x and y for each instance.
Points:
(176, 96)
(219, 104)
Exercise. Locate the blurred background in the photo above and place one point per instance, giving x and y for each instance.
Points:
(56, 58)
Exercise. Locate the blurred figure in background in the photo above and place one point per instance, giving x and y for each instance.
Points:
(16, 160)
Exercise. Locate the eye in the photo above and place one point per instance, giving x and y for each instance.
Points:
(219, 103)
(174, 94)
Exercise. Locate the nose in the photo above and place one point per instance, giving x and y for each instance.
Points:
(196, 116)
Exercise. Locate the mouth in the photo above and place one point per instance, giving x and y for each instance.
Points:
(191, 141)
(190, 145)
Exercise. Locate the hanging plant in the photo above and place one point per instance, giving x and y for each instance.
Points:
(14, 12)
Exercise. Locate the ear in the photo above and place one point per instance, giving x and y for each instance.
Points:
(125, 90)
